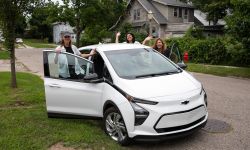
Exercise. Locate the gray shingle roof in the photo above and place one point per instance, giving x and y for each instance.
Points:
(159, 18)
(173, 3)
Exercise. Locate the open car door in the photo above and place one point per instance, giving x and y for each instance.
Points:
(67, 93)
(176, 56)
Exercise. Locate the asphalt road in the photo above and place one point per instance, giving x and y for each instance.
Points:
(228, 101)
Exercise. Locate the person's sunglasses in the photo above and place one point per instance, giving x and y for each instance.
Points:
(67, 36)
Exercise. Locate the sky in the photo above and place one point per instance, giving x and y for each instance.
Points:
(60, 1)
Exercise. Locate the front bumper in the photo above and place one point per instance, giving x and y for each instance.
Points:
(168, 136)
(168, 124)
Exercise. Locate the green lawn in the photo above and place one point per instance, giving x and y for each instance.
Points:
(219, 70)
(24, 123)
(4, 54)
(38, 43)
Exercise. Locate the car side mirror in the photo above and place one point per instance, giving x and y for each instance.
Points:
(92, 78)
(182, 65)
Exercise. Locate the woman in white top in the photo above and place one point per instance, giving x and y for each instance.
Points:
(65, 70)
(130, 38)
(66, 46)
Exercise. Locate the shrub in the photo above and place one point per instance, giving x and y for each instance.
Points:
(220, 51)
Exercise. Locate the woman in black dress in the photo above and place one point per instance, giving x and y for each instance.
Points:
(159, 45)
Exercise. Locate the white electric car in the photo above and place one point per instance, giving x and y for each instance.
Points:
(139, 93)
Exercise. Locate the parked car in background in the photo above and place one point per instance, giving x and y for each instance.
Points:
(19, 40)
(139, 93)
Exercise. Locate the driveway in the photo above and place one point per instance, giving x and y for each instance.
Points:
(228, 106)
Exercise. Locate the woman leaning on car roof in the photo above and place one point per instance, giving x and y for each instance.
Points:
(159, 45)
(130, 38)
(66, 46)
(68, 70)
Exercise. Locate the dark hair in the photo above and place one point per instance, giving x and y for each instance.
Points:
(156, 48)
(133, 37)
(62, 42)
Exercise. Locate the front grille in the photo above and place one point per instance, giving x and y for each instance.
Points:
(176, 128)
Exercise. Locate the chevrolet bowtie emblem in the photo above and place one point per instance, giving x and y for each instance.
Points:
(185, 102)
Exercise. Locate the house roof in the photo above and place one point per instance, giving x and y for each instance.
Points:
(138, 24)
(147, 5)
(173, 3)
(201, 17)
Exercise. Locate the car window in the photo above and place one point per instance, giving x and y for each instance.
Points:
(175, 54)
(139, 62)
(85, 51)
(68, 66)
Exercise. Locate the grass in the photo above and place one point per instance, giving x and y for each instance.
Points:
(24, 123)
(220, 70)
(4, 54)
(38, 43)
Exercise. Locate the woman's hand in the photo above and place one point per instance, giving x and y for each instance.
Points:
(58, 49)
(93, 52)
(147, 39)
(118, 34)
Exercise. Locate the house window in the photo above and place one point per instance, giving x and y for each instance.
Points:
(137, 14)
(175, 12)
(185, 13)
(180, 12)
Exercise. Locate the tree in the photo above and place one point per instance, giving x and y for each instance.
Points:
(94, 15)
(42, 18)
(238, 26)
(10, 10)
(20, 25)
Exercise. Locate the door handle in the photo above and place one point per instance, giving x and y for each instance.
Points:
(54, 85)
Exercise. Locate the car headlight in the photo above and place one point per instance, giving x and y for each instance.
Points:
(142, 101)
(140, 114)
(205, 94)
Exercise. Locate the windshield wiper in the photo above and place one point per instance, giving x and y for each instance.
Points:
(157, 74)
(145, 75)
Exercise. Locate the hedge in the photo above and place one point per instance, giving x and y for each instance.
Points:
(217, 51)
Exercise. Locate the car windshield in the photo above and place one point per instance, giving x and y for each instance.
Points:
(138, 63)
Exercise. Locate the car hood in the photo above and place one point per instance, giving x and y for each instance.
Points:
(166, 85)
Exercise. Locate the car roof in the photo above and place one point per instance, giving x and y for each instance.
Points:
(88, 47)
(118, 46)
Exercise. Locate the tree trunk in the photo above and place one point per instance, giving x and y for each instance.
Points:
(13, 68)
(11, 47)
(78, 34)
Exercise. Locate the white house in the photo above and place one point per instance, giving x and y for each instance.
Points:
(59, 28)
(1, 36)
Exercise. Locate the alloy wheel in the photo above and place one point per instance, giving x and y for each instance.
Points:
(115, 126)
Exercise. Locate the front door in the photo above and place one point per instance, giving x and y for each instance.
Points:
(185, 17)
(66, 92)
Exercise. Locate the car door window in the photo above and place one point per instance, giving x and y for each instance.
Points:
(68, 66)
(175, 54)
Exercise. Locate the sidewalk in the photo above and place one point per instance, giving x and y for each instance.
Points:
(5, 66)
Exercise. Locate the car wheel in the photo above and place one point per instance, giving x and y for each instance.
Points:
(115, 127)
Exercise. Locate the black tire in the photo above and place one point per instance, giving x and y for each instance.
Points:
(115, 127)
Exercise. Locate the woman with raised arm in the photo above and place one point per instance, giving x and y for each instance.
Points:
(130, 38)
(159, 45)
